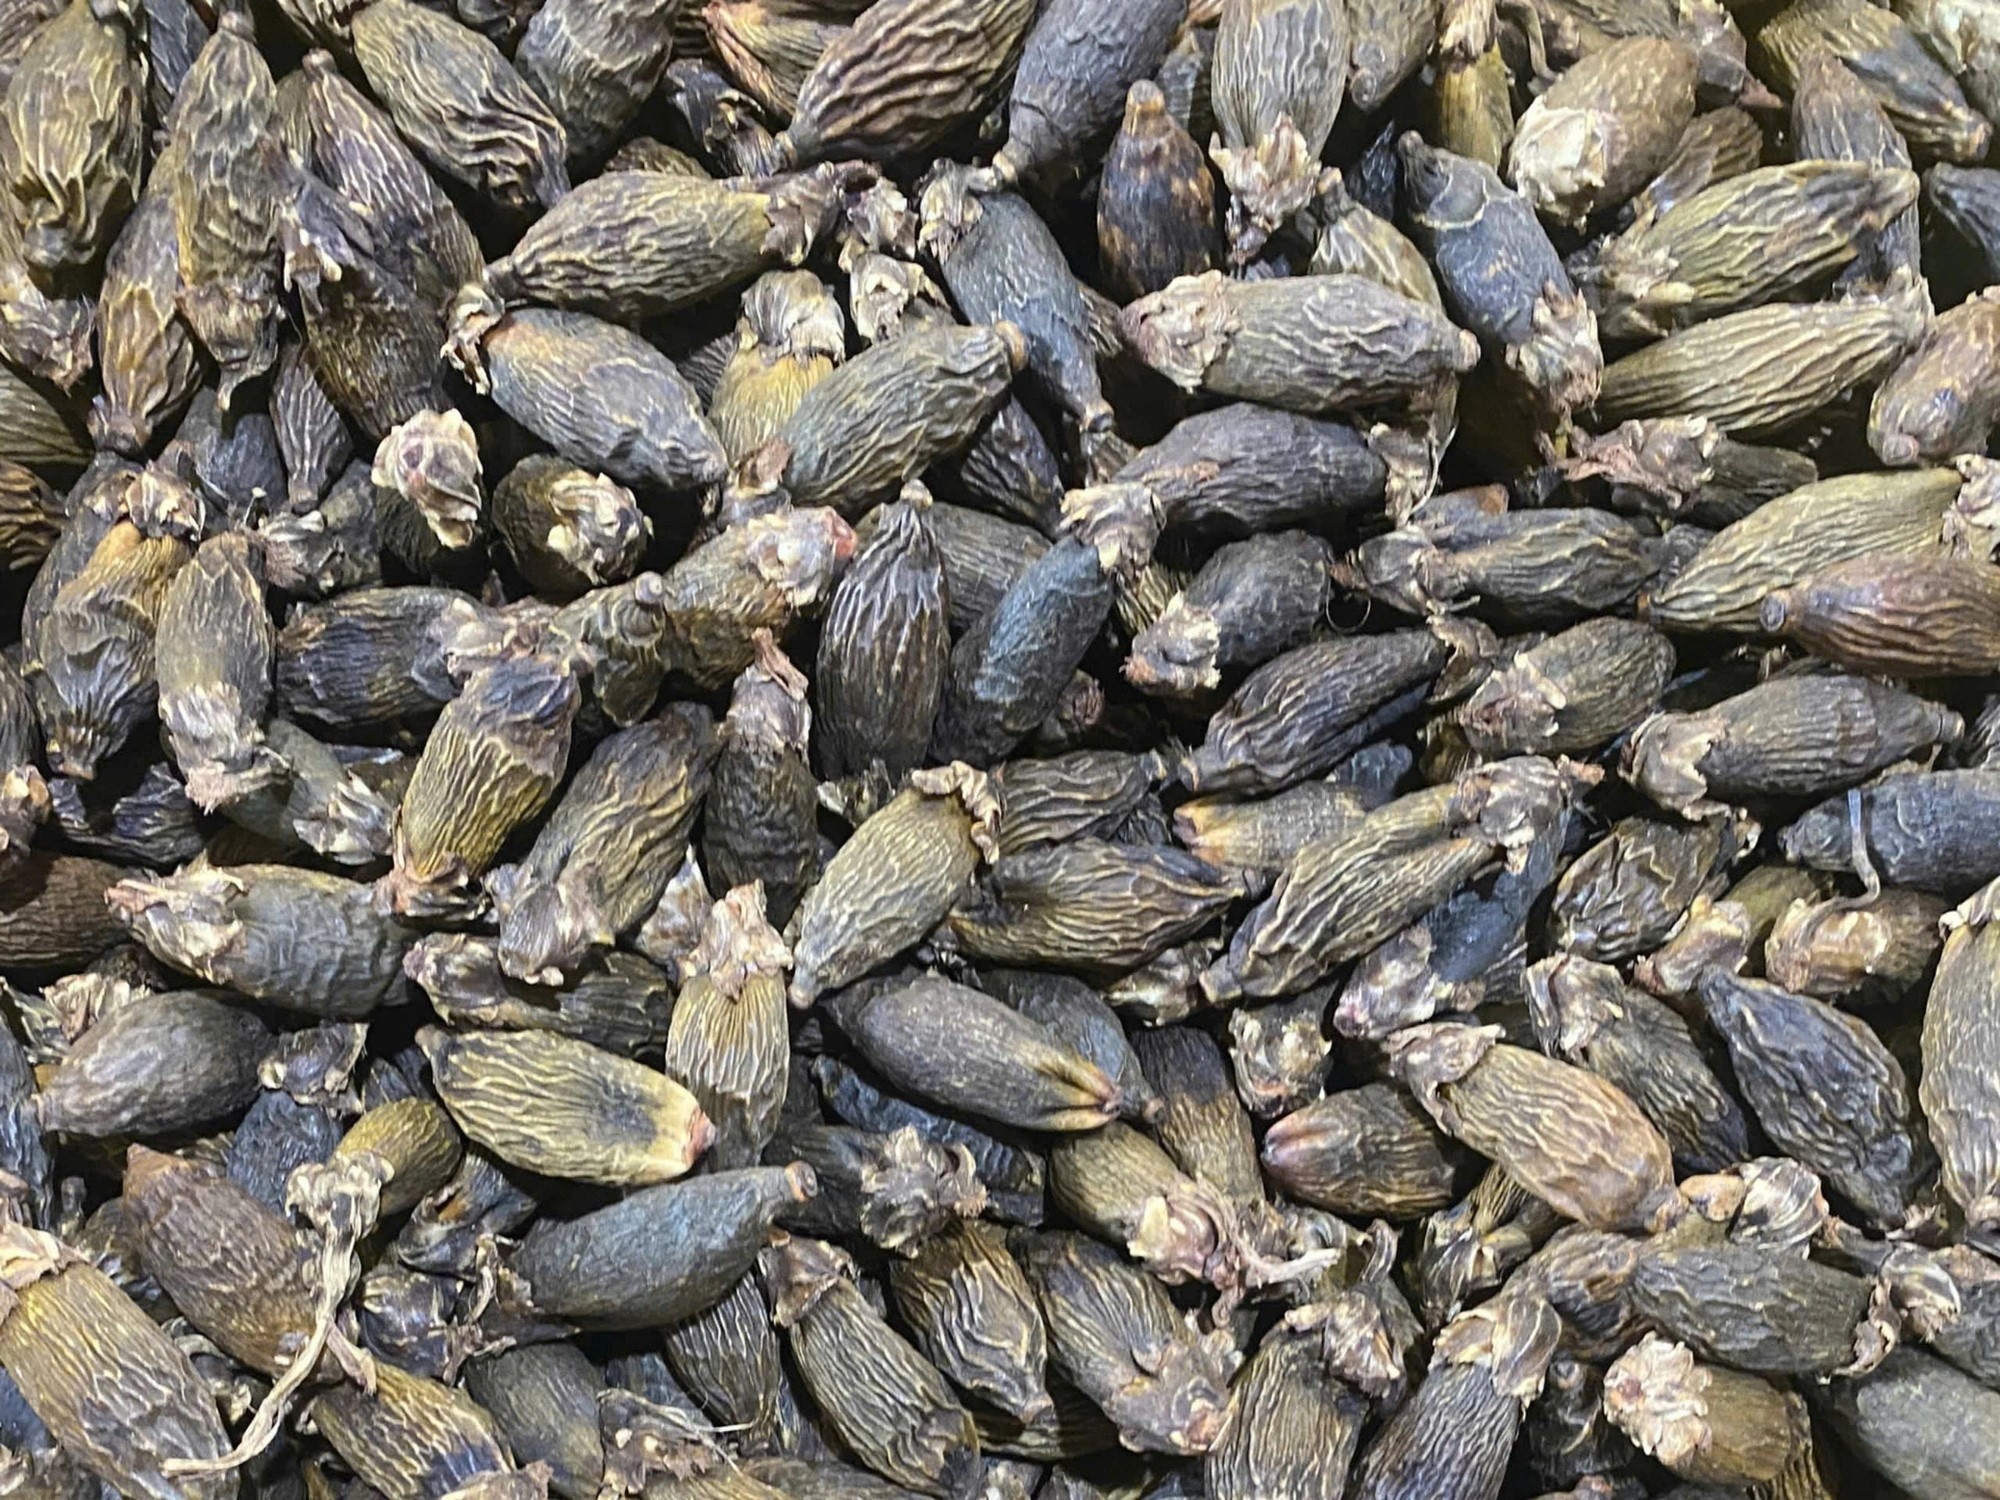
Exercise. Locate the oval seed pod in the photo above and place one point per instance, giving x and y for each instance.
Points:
(1605, 127)
(1452, 1437)
(1279, 72)
(1155, 201)
(1009, 671)
(972, 1054)
(224, 180)
(1342, 895)
(893, 881)
(563, 1108)
(229, 1262)
(630, 246)
(1866, 953)
(884, 647)
(1306, 343)
(1920, 1424)
(411, 1438)
(567, 529)
(879, 1396)
(1684, 466)
(603, 857)
(760, 574)
(1906, 616)
(1501, 276)
(1825, 1089)
(146, 353)
(1837, 117)
(727, 1357)
(1290, 1430)
(214, 647)
(1003, 266)
(1366, 1152)
(90, 660)
(1707, 1424)
(1572, 692)
(415, 1147)
(1258, 838)
(543, 1398)
(760, 820)
(111, 1082)
(660, 1255)
(366, 657)
(1089, 905)
(1798, 736)
(1584, 1014)
(895, 1190)
(294, 938)
(1785, 362)
(1013, 1173)
(1075, 69)
(1964, 198)
(728, 1038)
(492, 762)
(1944, 398)
(1526, 568)
(1961, 1035)
(899, 80)
(75, 120)
(1390, 40)
(1566, 1135)
(1788, 540)
(1756, 1309)
(1747, 240)
(768, 50)
(595, 65)
(1933, 832)
(24, 795)
(52, 911)
(1251, 601)
(1303, 711)
(598, 394)
(1202, 1124)
(974, 1316)
(1628, 892)
(103, 1378)
(878, 421)
(791, 335)
(1115, 1334)
(617, 1001)
(1913, 87)
(460, 103)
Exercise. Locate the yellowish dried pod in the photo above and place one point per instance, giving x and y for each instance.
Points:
(729, 1040)
(104, 1378)
(1709, 1424)
(494, 759)
(894, 880)
(563, 1108)
(1605, 127)
(1565, 1134)
(415, 1147)
(789, 338)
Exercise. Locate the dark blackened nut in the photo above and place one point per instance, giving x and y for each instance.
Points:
(1155, 201)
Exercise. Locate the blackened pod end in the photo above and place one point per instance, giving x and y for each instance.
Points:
(1777, 611)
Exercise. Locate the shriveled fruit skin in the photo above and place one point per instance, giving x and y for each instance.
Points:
(1961, 1033)
(903, 76)
(1364, 1151)
(412, 1438)
(595, 66)
(1076, 66)
(1155, 202)
(885, 648)
(884, 1400)
(1605, 127)
(1306, 343)
(1905, 616)
(1753, 1308)
(462, 105)
(1944, 398)
(109, 1084)
(105, 1380)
